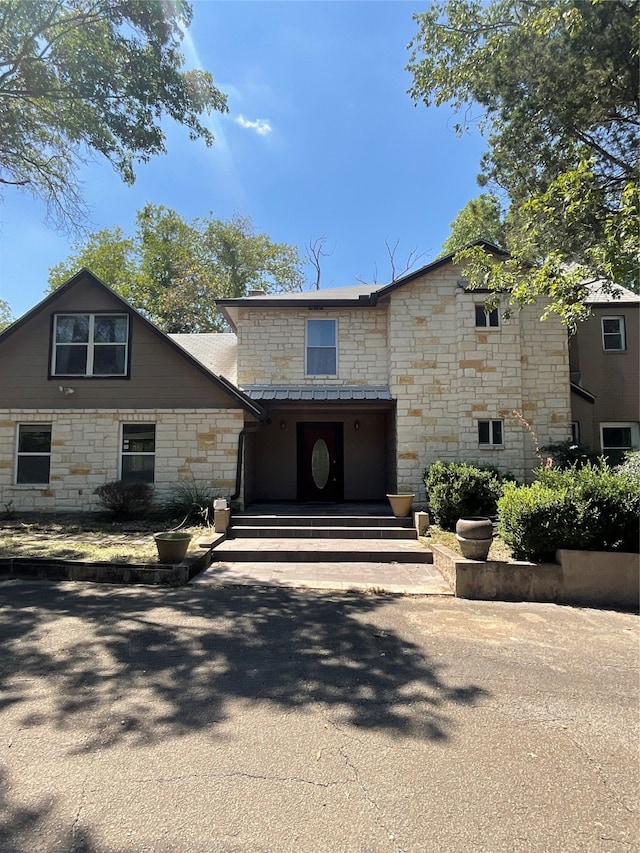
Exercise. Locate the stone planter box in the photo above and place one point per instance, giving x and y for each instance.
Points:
(587, 578)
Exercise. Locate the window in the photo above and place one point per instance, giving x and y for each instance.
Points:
(34, 453)
(486, 319)
(322, 355)
(138, 457)
(90, 345)
(575, 432)
(619, 436)
(490, 433)
(613, 336)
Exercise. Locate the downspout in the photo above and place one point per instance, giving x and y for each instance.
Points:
(243, 432)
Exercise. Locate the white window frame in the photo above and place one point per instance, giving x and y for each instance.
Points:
(90, 344)
(492, 427)
(307, 345)
(488, 315)
(634, 429)
(621, 332)
(130, 453)
(21, 454)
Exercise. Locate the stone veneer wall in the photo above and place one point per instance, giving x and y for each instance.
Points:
(271, 347)
(446, 375)
(191, 444)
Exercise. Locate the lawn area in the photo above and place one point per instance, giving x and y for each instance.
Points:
(83, 538)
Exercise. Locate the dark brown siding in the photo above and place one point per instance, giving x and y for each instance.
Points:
(160, 377)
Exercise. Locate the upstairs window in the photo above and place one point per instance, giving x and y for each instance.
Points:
(138, 457)
(322, 350)
(490, 434)
(486, 319)
(613, 336)
(90, 345)
(34, 454)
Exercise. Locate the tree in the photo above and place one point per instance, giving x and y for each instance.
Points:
(6, 317)
(173, 270)
(558, 81)
(80, 77)
(479, 219)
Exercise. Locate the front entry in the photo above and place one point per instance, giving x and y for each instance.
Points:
(320, 461)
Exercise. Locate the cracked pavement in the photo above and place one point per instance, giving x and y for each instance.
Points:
(200, 720)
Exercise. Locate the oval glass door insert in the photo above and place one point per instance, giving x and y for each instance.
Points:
(320, 463)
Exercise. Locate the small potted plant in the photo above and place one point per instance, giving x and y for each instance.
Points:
(172, 546)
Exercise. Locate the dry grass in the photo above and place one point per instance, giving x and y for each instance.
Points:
(75, 538)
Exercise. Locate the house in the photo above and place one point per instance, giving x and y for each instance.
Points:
(341, 394)
(604, 360)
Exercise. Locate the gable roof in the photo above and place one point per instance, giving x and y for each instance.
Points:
(603, 292)
(360, 296)
(49, 301)
(218, 351)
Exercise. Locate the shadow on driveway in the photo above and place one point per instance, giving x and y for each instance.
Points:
(141, 664)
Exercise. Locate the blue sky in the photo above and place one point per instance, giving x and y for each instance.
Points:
(321, 138)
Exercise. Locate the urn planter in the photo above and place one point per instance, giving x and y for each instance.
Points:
(475, 535)
(401, 504)
(172, 546)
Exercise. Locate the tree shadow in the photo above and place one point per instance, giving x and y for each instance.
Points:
(141, 664)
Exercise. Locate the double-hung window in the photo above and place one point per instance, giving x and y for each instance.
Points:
(322, 348)
(490, 434)
(138, 454)
(486, 319)
(34, 454)
(613, 334)
(90, 345)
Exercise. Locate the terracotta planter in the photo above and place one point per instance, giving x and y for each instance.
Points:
(401, 505)
(475, 535)
(172, 547)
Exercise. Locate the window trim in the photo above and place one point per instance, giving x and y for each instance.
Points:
(22, 454)
(333, 320)
(491, 444)
(622, 332)
(90, 345)
(634, 429)
(123, 453)
(575, 432)
(487, 325)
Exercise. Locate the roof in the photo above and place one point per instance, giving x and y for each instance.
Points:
(603, 292)
(315, 393)
(217, 351)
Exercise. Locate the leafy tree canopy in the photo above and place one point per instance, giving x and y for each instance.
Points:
(6, 317)
(173, 270)
(79, 77)
(557, 83)
(479, 219)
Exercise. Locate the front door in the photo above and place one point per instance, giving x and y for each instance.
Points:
(320, 462)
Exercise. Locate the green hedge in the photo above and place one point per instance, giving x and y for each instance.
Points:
(592, 508)
(456, 489)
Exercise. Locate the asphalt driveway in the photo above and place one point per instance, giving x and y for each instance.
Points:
(244, 719)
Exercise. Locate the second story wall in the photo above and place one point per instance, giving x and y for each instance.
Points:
(272, 346)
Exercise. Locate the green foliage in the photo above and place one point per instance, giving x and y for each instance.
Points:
(630, 464)
(173, 270)
(79, 77)
(536, 520)
(566, 454)
(592, 508)
(192, 501)
(479, 219)
(556, 85)
(124, 499)
(456, 489)
(6, 317)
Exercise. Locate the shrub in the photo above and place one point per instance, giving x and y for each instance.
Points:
(630, 464)
(566, 454)
(591, 508)
(124, 499)
(456, 489)
(191, 500)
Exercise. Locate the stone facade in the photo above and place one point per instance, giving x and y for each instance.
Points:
(191, 444)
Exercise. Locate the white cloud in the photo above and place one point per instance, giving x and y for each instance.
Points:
(260, 125)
